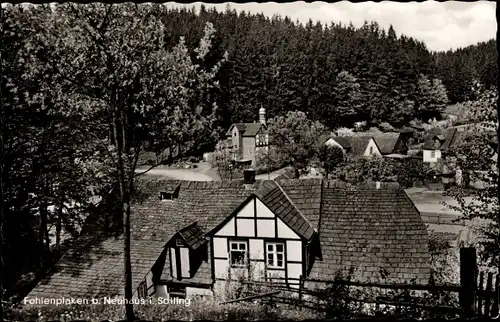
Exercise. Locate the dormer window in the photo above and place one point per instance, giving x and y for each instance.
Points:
(166, 196)
(170, 192)
(187, 250)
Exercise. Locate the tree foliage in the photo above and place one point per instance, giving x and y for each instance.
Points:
(102, 86)
(296, 139)
(476, 158)
(330, 156)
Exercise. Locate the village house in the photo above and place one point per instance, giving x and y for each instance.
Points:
(190, 238)
(390, 145)
(355, 146)
(432, 149)
(438, 154)
(245, 140)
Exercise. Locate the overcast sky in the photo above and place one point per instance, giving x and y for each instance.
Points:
(440, 25)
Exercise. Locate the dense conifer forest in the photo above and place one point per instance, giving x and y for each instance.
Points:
(337, 74)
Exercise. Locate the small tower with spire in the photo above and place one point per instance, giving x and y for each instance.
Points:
(262, 115)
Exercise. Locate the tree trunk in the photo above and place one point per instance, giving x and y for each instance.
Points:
(42, 229)
(498, 176)
(121, 149)
(59, 223)
(2, 177)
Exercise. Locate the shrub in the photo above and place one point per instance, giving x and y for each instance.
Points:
(193, 159)
(386, 127)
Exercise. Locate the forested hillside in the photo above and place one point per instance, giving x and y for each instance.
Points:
(338, 73)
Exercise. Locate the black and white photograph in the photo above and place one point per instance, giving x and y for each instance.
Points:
(249, 161)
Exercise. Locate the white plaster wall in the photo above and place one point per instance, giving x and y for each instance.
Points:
(294, 270)
(427, 156)
(228, 229)
(246, 227)
(221, 267)
(238, 273)
(294, 250)
(161, 291)
(220, 247)
(258, 270)
(372, 144)
(265, 228)
(263, 211)
(247, 210)
(256, 248)
(184, 253)
(284, 231)
(193, 291)
(276, 273)
(173, 262)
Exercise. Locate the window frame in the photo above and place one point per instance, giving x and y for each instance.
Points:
(177, 291)
(275, 254)
(142, 290)
(238, 249)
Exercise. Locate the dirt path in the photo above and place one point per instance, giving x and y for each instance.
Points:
(202, 173)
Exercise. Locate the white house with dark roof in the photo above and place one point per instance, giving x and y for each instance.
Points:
(199, 235)
(356, 146)
(245, 140)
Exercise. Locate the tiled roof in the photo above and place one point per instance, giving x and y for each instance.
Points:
(343, 141)
(371, 231)
(193, 235)
(357, 144)
(357, 228)
(435, 133)
(386, 142)
(451, 139)
(306, 195)
(287, 173)
(283, 207)
(247, 129)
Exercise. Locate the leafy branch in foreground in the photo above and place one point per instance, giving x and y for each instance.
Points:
(112, 61)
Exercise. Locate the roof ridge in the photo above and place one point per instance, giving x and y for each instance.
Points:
(293, 204)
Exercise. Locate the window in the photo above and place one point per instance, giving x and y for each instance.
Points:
(371, 150)
(275, 255)
(177, 291)
(165, 196)
(433, 154)
(257, 142)
(238, 253)
(142, 290)
(179, 242)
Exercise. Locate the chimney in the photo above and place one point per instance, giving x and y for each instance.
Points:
(249, 176)
(262, 116)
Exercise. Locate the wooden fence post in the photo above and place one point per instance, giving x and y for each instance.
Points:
(489, 295)
(468, 280)
(496, 295)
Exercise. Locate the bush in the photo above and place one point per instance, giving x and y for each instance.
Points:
(193, 159)
(386, 127)
(199, 309)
